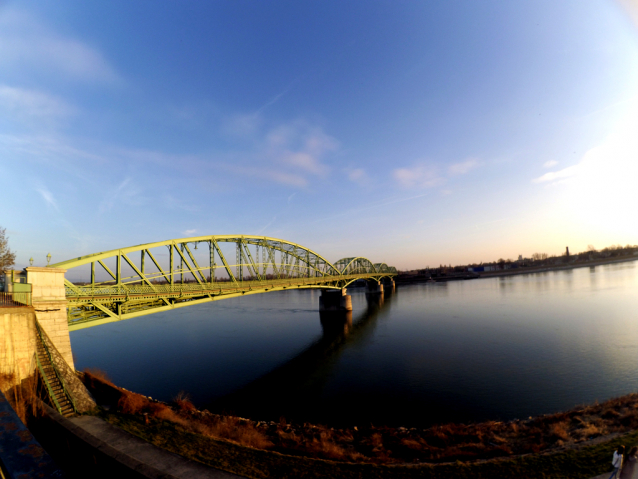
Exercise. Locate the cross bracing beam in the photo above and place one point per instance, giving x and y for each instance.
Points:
(125, 294)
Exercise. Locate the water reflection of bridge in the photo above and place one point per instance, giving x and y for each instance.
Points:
(294, 389)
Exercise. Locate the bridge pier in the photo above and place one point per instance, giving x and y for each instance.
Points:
(49, 301)
(372, 287)
(389, 285)
(335, 300)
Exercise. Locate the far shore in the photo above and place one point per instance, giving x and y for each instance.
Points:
(514, 271)
(558, 267)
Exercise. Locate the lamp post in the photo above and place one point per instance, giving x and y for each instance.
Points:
(48, 259)
(31, 261)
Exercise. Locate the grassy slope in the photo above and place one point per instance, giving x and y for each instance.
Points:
(579, 462)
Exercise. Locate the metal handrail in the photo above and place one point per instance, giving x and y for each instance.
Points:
(13, 299)
(44, 338)
(214, 286)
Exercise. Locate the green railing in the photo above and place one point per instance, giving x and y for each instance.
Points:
(55, 360)
(75, 292)
(14, 299)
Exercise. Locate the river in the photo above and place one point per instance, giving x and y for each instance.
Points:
(494, 348)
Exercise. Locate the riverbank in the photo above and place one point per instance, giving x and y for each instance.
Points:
(543, 269)
(513, 271)
(572, 444)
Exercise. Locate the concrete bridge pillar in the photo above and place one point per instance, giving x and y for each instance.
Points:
(389, 285)
(335, 300)
(374, 287)
(49, 301)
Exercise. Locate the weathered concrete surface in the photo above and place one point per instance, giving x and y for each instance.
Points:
(335, 300)
(137, 456)
(49, 302)
(17, 343)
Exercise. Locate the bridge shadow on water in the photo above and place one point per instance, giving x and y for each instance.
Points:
(295, 390)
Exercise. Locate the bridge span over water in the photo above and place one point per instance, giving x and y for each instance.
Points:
(138, 280)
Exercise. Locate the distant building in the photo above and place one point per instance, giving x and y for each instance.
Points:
(566, 250)
(476, 269)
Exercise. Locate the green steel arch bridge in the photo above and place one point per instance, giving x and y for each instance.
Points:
(154, 277)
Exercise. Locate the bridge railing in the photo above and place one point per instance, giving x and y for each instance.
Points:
(215, 287)
(14, 299)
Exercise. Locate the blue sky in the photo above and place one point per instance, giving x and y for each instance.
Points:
(414, 133)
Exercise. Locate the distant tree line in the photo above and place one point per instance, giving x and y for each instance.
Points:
(536, 259)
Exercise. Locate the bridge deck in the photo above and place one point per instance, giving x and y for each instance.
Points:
(93, 305)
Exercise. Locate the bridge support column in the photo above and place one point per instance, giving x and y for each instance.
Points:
(389, 286)
(49, 301)
(374, 288)
(335, 300)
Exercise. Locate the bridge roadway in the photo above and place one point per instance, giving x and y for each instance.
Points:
(136, 287)
(140, 298)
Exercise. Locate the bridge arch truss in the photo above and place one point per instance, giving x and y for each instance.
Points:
(143, 279)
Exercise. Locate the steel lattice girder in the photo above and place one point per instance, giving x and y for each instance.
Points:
(144, 293)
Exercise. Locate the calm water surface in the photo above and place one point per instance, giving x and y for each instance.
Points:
(497, 348)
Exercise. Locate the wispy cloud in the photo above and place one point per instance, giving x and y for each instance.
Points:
(550, 164)
(242, 126)
(189, 232)
(421, 176)
(373, 205)
(554, 176)
(463, 167)
(305, 162)
(267, 225)
(291, 154)
(29, 47)
(48, 198)
(174, 203)
(358, 176)
(271, 102)
(33, 106)
(121, 192)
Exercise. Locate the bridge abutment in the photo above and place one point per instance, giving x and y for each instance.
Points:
(335, 300)
(49, 301)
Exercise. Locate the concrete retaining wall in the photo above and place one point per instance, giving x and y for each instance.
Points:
(17, 343)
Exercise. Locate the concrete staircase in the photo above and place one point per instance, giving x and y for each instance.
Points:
(51, 380)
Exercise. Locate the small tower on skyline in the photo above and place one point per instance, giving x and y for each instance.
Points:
(566, 250)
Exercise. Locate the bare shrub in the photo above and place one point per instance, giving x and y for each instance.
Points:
(588, 431)
(231, 428)
(324, 447)
(559, 431)
(98, 374)
(411, 444)
(131, 403)
(183, 403)
(159, 410)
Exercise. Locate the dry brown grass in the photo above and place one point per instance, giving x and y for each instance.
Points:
(440, 443)
(236, 430)
(183, 403)
(560, 430)
(98, 374)
(131, 403)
